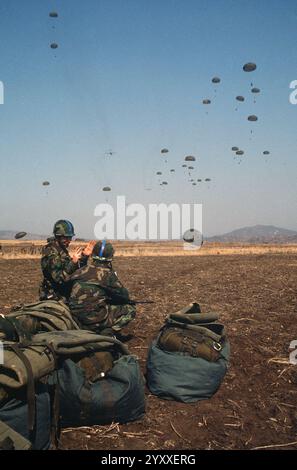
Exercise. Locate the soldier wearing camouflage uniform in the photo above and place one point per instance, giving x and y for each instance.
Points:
(57, 265)
(98, 300)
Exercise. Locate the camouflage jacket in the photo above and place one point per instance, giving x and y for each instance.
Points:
(57, 266)
(95, 286)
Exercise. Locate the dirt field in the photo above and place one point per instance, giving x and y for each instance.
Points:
(255, 296)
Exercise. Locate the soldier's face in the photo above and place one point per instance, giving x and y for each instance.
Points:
(65, 241)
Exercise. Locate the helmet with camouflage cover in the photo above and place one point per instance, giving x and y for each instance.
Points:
(103, 251)
(63, 228)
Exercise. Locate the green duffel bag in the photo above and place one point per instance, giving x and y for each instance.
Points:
(191, 342)
(180, 377)
(101, 396)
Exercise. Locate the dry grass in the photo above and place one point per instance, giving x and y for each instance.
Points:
(28, 249)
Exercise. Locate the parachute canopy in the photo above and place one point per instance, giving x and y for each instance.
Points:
(249, 67)
(106, 188)
(184, 166)
(45, 183)
(193, 236)
(54, 45)
(199, 180)
(194, 184)
(240, 98)
(239, 152)
(207, 179)
(266, 152)
(235, 149)
(20, 235)
(255, 90)
(159, 173)
(191, 168)
(190, 158)
(53, 14)
(206, 101)
(164, 182)
(252, 118)
(164, 151)
(216, 80)
(172, 170)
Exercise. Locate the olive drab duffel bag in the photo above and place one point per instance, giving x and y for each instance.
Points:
(28, 404)
(28, 388)
(188, 360)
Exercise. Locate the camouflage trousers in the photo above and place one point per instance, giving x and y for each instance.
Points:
(121, 315)
(107, 317)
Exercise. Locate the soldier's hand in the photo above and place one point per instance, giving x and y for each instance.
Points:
(77, 255)
(89, 248)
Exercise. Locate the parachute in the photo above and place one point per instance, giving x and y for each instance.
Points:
(194, 184)
(20, 235)
(159, 173)
(45, 183)
(164, 151)
(54, 45)
(106, 188)
(191, 168)
(53, 14)
(193, 236)
(240, 152)
(190, 158)
(266, 152)
(164, 182)
(109, 153)
(235, 149)
(249, 67)
(206, 101)
(184, 166)
(199, 180)
(216, 80)
(172, 170)
(207, 179)
(240, 98)
(255, 90)
(253, 118)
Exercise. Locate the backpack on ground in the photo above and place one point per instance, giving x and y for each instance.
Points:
(189, 358)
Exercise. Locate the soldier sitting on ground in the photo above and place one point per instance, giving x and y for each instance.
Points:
(57, 265)
(98, 300)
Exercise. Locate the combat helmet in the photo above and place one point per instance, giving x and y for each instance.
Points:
(103, 251)
(63, 228)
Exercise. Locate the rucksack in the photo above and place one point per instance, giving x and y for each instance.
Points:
(189, 358)
(46, 315)
(193, 333)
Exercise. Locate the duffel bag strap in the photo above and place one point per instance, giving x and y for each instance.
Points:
(16, 348)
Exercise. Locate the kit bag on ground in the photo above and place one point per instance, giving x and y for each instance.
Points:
(29, 417)
(188, 360)
(100, 387)
(26, 320)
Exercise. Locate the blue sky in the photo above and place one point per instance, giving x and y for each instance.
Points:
(130, 75)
